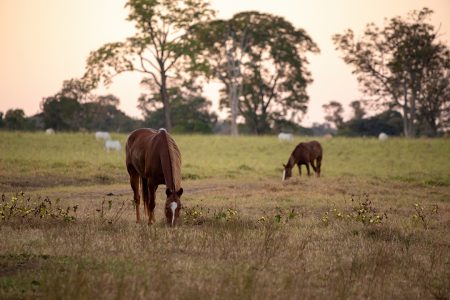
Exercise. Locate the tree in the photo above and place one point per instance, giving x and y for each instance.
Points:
(389, 122)
(260, 59)
(75, 88)
(224, 44)
(434, 104)
(395, 65)
(61, 113)
(15, 119)
(1, 120)
(358, 110)
(190, 111)
(158, 48)
(333, 113)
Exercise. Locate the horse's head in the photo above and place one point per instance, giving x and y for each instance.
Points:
(173, 206)
(287, 172)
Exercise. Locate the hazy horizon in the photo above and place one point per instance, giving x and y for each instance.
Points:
(45, 42)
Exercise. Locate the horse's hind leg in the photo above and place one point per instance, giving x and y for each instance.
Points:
(152, 204)
(134, 182)
(307, 169)
(319, 163)
(314, 167)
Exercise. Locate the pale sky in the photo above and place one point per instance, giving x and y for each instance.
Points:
(44, 42)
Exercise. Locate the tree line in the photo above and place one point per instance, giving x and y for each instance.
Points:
(261, 61)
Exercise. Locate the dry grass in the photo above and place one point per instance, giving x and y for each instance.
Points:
(244, 237)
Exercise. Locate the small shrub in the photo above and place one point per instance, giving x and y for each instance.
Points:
(423, 216)
(195, 215)
(365, 212)
(109, 215)
(280, 216)
(21, 207)
(362, 211)
(226, 214)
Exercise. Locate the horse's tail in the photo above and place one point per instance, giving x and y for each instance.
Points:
(144, 194)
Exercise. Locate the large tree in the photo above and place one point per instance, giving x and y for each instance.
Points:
(224, 44)
(260, 59)
(358, 109)
(15, 119)
(156, 50)
(399, 65)
(333, 113)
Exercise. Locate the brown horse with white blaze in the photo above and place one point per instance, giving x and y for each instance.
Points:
(153, 158)
(304, 154)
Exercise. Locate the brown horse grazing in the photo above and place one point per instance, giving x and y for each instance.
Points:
(153, 158)
(304, 154)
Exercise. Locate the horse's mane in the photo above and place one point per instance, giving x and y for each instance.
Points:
(174, 160)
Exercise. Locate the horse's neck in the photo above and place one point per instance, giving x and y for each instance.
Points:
(291, 162)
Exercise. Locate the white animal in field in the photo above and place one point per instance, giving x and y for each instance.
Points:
(112, 145)
(285, 137)
(327, 136)
(102, 135)
(383, 136)
(49, 131)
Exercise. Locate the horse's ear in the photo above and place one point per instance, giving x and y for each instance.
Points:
(168, 192)
(284, 165)
(180, 192)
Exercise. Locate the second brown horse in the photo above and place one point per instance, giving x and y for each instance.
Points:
(153, 158)
(304, 154)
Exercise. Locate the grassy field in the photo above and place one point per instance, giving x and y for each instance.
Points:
(375, 225)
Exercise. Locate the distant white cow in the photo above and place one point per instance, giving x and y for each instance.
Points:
(102, 135)
(49, 131)
(383, 136)
(112, 145)
(285, 137)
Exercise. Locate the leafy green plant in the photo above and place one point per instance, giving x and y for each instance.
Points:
(21, 207)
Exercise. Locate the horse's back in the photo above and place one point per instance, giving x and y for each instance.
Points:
(307, 152)
(316, 149)
(139, 135)
(138, 144)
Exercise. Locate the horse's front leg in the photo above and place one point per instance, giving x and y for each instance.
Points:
(299, 169)
(152, 203)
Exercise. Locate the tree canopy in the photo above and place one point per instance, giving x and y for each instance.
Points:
(156, 50)
(260, 59)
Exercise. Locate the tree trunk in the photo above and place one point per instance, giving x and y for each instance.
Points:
(405, 122)
(412, 114)
(166, 103)
(233, 70)
(234, 109)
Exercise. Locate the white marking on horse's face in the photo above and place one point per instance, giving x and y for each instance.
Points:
(173, 207)
(283, 178)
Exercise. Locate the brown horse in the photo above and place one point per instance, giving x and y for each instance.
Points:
(153, 158)
(304, 154)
